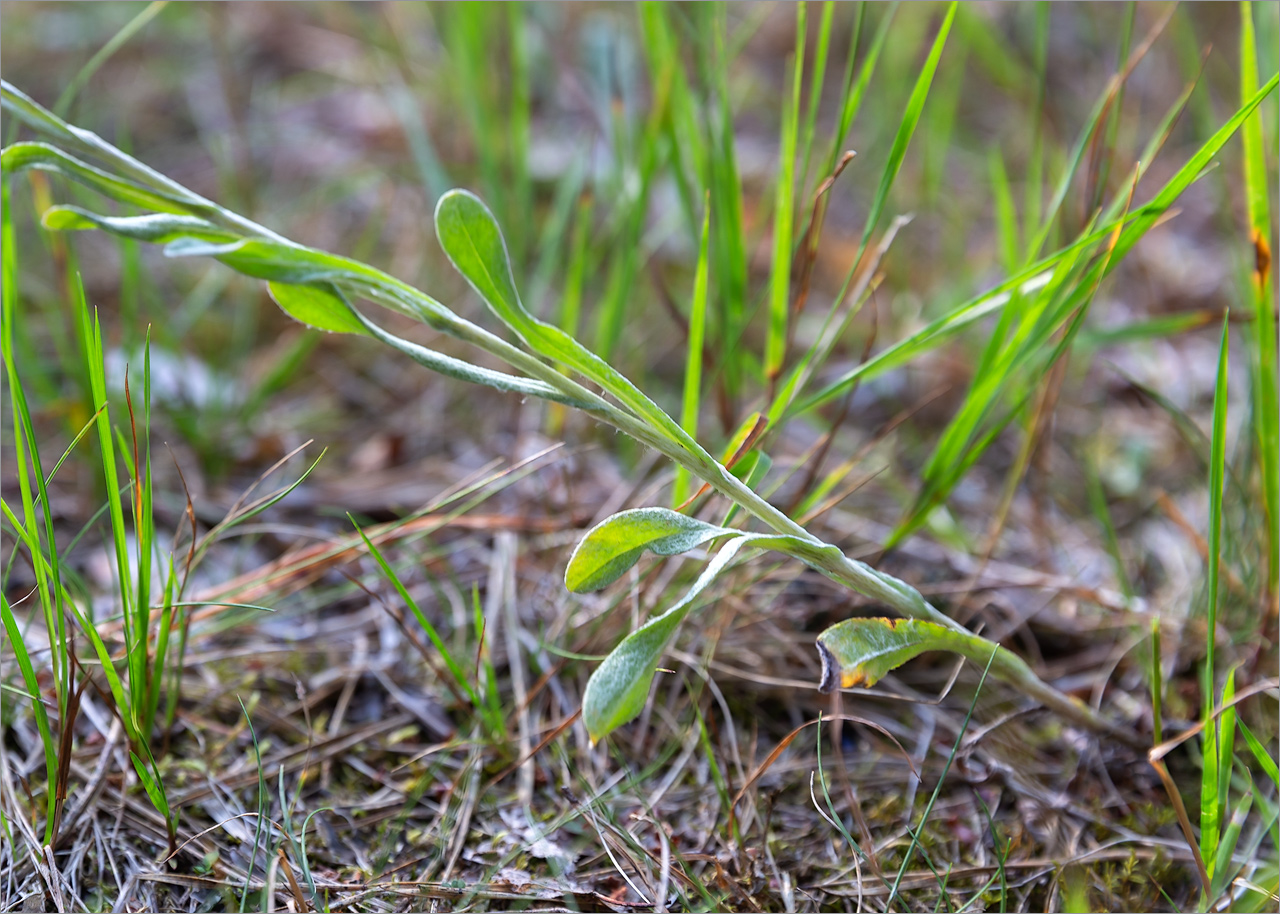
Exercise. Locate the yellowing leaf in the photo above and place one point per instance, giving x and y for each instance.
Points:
(861, 651)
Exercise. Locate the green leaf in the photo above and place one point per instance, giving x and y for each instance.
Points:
(281, 261)
(43, 157)
(857, 650)
(861, 651)
(261, 258)
(470, 236)
(316, 307)
(618, 688)
(615, 544)
(1211, 806)
(157, 228)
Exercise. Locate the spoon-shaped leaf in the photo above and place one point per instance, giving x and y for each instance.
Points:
(615, 544)
(471, 238)
(618, 688)
(861, 651)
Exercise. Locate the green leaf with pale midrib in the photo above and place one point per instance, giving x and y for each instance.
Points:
(466, 371)
(43, 157)
(615, 544)
(155, 228)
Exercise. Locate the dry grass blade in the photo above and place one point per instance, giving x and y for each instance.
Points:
(1159, 751)
(786, 741)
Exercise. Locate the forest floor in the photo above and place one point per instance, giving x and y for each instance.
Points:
(319, 753)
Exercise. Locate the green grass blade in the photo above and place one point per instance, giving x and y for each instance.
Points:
(851, 102)
(459, 677)
(571, 298)
(431, 172)
(1260, 754)
(816, 80)
(1226, 740)
(783, 209)
(144, 529)
(1006, 213)
(48, 743)
(620, 290)
(1034, 195)
(1263, 327)
(517, 125)
(118, 40)
(261, 819)
(568, 200)
(120, 693)
(1221, 869)
(910, 117)
(1002, 373)
(163, 635)
(1104, 152)
(1195, 166)
(729, 233)
(1210, 796)
(933, 798)
(92, 331)
(673, 106)
(26, 448)
(1136, 225)
(1156, 680)
(693, 358)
